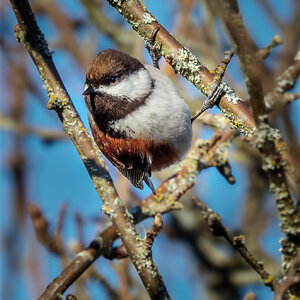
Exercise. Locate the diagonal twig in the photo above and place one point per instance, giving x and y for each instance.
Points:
(184, 62)
(237, 242)
(204, 154)
(29, 34)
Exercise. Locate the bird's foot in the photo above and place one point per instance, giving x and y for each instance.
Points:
(210, 101)
(153, 47)
(217, 91)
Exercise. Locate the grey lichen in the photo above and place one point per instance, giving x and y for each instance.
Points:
(135, 24)
(222, 154)
(107, 209)
(116, 2)
(265, 133)
(285, 80)
(229, 93)
(148, 18)
(280, 192)
(238, 124)
(189, 66)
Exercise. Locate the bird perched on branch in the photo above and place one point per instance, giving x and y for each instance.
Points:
(136, 115)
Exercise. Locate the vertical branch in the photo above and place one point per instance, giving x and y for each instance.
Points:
(246, 50)
(268, 140)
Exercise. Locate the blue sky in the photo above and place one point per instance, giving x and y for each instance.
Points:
(56, 175)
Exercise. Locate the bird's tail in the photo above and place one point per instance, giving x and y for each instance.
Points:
(149, 183)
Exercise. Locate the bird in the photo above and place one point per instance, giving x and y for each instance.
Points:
(136, 115)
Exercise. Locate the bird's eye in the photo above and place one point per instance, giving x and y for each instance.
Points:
(113, 80)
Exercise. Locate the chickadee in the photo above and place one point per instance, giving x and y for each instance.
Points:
(136, 115)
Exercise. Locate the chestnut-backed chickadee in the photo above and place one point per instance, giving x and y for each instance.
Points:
(136, 115)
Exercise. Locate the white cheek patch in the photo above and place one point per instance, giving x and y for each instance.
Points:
(136, 85)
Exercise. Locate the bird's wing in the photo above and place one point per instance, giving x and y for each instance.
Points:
(130, 157)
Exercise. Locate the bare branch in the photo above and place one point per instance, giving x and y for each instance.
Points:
(184, 62)
(102, 280)
(46, 134)
(40, 225)
(285, 82)
(204, 154)
(237, 242)
(268, 140)
(264, 52)
(157, 225)
(124, 38)
(271, 13)
(29, 34)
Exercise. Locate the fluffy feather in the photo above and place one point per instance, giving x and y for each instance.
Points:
(164, 117)
(136, 115)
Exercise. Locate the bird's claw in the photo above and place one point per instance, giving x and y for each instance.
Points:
(217, 91)
(212, 99)
(153, 47)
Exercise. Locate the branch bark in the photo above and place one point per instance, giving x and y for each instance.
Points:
(29, 34)
(268, 140)
(185, 63)
(204, 154)
(237, 242)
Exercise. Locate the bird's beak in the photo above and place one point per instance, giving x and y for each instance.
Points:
(88, 90)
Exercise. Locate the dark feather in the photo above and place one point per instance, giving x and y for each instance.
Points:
(138, 171)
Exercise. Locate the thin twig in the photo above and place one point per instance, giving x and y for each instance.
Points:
(264, 52)
(237, 242)
(41, 228)
(285, 82)
(114, 295)
(157, 225)
(124, 38)
(20, 128)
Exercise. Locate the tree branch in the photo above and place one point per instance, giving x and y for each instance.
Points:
(52, 242)
(237, 242)
(291, 281)
(185, 63)
(124, 38)
(46, 135)
(204, 154)
(268, 140)
(285, 82)
(264, 52)
(29, 34)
